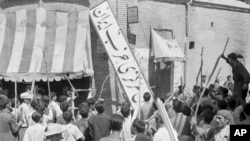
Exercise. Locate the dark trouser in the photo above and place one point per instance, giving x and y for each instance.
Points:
(241, 97)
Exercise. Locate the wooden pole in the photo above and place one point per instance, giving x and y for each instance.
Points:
(72, 97)
(207, 82)
(139, 88)
(34, 81)
(202, 49)
(16, 98)
(100, 95)
(166, 120)
(200, 70)
(217, 75)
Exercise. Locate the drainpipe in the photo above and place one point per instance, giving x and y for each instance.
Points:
(187, 39)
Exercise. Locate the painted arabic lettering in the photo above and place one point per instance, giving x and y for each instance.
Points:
(119, 52)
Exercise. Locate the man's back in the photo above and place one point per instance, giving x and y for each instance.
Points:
(99, 126)
(146, 110)
(143, 137)
(34, 133)
(7, 126)
(71, 133)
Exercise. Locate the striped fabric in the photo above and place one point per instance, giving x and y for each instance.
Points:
(181, 124)
(44, 42)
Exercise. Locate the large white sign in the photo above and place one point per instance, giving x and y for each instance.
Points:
(117, 48)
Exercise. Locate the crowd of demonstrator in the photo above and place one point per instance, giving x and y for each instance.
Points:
(47, 118)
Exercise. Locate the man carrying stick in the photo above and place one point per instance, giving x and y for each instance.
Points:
(241, 77)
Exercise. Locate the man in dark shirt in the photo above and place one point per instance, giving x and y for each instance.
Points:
(99, 125)
(138, 129)
(241, 77)
(246, 111)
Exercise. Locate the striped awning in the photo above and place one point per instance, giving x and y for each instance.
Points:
(43, 44)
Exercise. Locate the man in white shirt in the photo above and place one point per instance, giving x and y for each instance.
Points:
(24, 110)
(35, 132)
(53, 105)
(72, 132)
(162, 133)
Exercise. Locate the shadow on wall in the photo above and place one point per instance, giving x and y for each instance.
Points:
(9, 3)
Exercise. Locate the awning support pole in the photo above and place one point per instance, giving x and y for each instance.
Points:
(16, 98)
(72, 97)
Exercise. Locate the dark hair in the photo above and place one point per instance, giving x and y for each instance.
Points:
(232, 56)
(246, 109)
(100, 106)
(224, 92)
(36, 116)
(53, 94)
(139, 125)
(199, 109)
(146, 96)
(222, 104)
(91, 101)
(34, 103)
(84, 111)
(186, 111)
(64, 106)
(208, 116)
(40, 108)
(67, 116)
(125, 109)
(232, 103)
(207, 107)
(177, 105)
(62, 98)
(116, 122)
(3, 101)
(83, 104)
(45, 100)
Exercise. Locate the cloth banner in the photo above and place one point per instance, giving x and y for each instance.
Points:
(45, 42)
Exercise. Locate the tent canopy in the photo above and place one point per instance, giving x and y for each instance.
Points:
(40, 44)
(165, 50)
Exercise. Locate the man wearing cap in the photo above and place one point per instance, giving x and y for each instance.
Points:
(241, 77)
(25, 110)
(220, 132)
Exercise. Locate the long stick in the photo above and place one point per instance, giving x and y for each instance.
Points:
(33, 81)
(72, 96)
(16, 98)
(217, 75)
(215, 66)
(166, 120)
(201, 64)
(139, 88)
(225, 46)
(47, 73)
(200, 70)
(100, 96)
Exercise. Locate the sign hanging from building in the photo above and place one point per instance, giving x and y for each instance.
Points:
(133, 15)
(122, 59)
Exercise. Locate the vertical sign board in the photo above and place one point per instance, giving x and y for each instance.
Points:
(117, 48)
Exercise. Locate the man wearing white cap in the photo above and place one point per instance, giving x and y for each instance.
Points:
(25, 110)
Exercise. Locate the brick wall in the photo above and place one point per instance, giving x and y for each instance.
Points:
(102, 66)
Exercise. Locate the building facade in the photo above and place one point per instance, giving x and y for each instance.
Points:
(204, 23)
